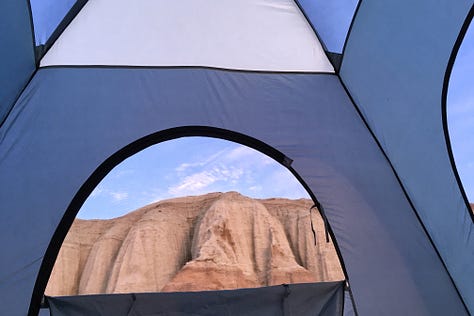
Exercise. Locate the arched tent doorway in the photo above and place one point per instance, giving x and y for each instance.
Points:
(128, 151)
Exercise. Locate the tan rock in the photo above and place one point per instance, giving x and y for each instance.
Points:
(210, 242)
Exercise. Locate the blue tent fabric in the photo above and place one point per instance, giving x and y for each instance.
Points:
(341, 164)
(17, 57)
(307, 299)
(369, 143)
(396, 76)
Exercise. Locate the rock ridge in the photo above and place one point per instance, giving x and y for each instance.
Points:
(210, 242)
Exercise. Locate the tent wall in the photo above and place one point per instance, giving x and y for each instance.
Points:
(17, 57)
(395, 69)
(70, 120)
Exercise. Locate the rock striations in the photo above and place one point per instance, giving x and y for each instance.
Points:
(210, 242)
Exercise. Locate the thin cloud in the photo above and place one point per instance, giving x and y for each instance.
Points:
(247, 156)
(230, 167)
(188, 165)
(200, 181)
(193, 183)
(119, 196)
(116, 196)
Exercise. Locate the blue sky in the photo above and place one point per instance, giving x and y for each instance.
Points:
(198, 165)
(189, 166)
(460, 108)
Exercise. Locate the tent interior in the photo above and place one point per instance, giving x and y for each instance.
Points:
(350, 96)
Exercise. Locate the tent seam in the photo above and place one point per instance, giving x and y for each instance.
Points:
(289, 72)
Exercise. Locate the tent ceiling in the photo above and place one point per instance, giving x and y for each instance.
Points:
(247, 34)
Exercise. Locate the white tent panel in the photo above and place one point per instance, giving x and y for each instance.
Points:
(270, 35)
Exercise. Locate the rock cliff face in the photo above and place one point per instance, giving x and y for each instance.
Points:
(210, 242)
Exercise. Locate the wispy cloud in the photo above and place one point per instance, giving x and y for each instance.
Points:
(246, 155)
(189, 165)
(119, 196)
(197, 169)
(197, 182)
(116, 196)
(193, 183)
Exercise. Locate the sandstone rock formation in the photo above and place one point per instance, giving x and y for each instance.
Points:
(209, 242)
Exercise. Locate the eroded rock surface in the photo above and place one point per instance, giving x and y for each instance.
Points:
(210, 242)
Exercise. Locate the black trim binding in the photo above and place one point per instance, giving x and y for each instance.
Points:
(277, 72)
(41, 50)
(350, 31)
(127, 151)
(444, 98)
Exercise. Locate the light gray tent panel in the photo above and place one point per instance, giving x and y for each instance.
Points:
(396, 75)
(70, 120)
